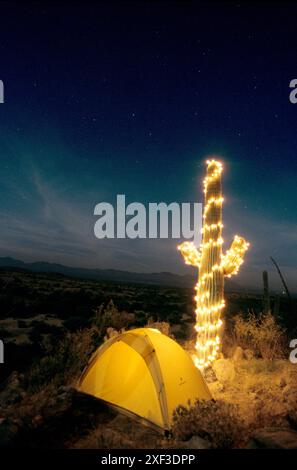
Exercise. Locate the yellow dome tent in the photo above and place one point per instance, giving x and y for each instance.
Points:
(145, 373)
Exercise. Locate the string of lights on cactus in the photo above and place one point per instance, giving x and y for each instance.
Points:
(213, 266)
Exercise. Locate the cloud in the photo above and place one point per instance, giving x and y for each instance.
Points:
(59, 230)
(49, 225)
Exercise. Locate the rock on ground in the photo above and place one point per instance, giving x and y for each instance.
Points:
(216, 387)
(224, 370)
(195, 442)
(273, 438)
(238, 354)
(248, 354)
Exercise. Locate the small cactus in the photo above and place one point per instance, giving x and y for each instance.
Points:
(266, 296)
(213, 266)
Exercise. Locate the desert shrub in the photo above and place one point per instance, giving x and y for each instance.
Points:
(261, 334)
(104, 438)
(264, 415)
(162, 326)
(216, 421)
(141, 318)
(110, 316)
(64, 361)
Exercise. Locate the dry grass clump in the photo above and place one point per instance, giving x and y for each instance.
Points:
(267, 414)
(110, 317)
(216, 421)
(261, 334)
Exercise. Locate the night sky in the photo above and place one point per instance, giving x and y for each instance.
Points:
(130, 99)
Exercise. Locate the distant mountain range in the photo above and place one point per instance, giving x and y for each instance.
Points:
(162, 278)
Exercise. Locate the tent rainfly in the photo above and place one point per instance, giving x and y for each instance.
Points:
(144, 373)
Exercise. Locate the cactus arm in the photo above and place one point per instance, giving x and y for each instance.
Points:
(282, 279)
(190, 253)
(233, 258)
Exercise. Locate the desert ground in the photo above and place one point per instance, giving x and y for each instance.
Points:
(50, 325)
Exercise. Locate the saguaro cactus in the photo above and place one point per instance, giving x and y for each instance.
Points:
(213, 267)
